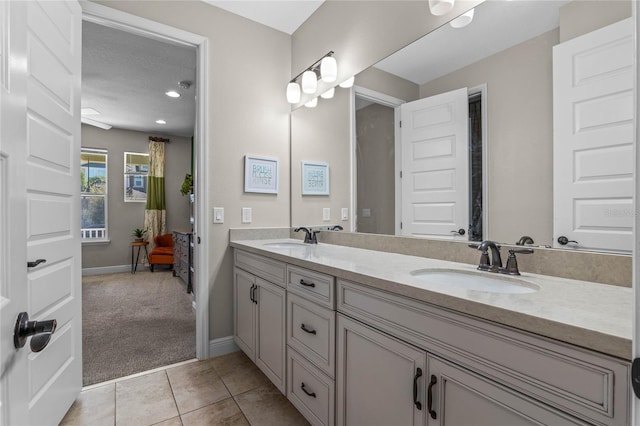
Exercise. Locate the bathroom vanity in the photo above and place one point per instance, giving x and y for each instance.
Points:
(362, 337)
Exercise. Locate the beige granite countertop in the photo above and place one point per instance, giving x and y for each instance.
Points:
(590, 315)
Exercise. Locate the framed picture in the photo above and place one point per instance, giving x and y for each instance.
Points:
(260, 174)
(315, 178)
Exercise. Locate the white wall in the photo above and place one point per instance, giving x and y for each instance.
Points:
(124, 217)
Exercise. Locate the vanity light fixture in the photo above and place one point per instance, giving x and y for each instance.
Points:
(312, 103)
(462, 20)
(329, 93)
(172, 94)
(440, 7)
(161, 121)
(325, 68)
(348, 82)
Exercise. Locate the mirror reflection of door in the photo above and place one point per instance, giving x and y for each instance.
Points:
(442, 163)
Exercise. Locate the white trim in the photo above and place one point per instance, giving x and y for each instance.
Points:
(482, 89)
(105, 270)
(391, 102)
(134, 24)
(222, 346)
(635, 336)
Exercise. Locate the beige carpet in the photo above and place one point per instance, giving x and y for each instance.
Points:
(133, 323)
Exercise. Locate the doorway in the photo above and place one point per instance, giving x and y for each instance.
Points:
(114, 19)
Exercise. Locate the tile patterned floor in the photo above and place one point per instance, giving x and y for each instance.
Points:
(226, 390)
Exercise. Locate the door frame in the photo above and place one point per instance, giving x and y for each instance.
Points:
(116, 19)
(635, 282)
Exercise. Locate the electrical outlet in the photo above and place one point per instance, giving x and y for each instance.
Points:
(345, 213)
(326, 214)
(366, 212)
(218, 215)
(246, 215)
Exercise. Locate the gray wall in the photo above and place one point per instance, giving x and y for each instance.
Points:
(124, 217)
(244, 118)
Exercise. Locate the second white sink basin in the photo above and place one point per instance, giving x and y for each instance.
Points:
(476, 281)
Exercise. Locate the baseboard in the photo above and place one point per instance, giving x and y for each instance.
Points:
(222, 346)
(106, 270)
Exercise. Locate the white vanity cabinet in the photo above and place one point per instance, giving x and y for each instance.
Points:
(484, 373)
(311, 346)
(260, 312)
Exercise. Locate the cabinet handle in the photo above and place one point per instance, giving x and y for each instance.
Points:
(431, 411)
(311, 394)
(251, 292)
(255, 289)
(306, 284)
(415, 389)
(307, 330)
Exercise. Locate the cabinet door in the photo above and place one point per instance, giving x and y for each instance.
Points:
(461, 397)
(270, 348)
(244, 327)
(376, 377)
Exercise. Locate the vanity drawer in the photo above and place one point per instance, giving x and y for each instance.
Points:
(310, 390)
(261, 266)
(311, 330)
(311, 285)
(578, 381)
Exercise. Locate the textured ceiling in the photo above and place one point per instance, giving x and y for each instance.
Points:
(125, 77)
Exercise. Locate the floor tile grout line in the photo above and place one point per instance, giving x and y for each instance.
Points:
(173, 394)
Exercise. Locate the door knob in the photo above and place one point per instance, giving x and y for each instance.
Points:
(563, 241)
(40, 330)
(459, 232)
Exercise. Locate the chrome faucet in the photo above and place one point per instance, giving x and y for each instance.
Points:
(310, 235)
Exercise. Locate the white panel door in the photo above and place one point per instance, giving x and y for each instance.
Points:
(593, 139)
(435, 165)
(40, 207)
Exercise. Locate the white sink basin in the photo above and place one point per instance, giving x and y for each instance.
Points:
(476, 281)
(285, 245)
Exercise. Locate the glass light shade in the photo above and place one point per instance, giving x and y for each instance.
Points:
(440, 7)
(172, 94)
(329, 69)
(328, 94)
(348, 82)
(312, 103)
(309, 82)
(462, 20)
(293, 92)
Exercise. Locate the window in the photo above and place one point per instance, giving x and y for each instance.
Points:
(136, 171)
(93, 194)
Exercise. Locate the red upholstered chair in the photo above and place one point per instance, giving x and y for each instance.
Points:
(162, 253)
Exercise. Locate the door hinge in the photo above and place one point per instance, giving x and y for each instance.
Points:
(400, 123)
(400, 174)
(400, 225)
(635, 376)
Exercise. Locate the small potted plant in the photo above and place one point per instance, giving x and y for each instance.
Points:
(138, 234)
(187, 184)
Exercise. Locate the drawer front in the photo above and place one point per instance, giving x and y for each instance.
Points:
(314, 286)
(261, 266)
(311, 331)
(581, 382)
(310, 390)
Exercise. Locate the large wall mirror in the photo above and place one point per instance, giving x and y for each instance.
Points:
(497, 75)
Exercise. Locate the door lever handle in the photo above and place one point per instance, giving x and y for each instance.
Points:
(36, 263)
(40, 330)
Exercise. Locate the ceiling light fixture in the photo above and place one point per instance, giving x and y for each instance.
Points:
(88, 111)
(462, 20)
(328, 94)
(325, 68)
(172, 94)
(440, 7)
(184, 84)
(95, 123)
(161, 121)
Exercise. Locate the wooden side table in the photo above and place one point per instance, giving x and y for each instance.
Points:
(139, 244)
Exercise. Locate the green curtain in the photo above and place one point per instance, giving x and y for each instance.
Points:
(155, 215)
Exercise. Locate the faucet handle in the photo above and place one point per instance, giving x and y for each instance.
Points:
(512, 262)
(520, 251)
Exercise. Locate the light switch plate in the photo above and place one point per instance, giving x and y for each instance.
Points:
(345, 213)
(366, 212)
(246, 215)
(326, 214)
(218, 215)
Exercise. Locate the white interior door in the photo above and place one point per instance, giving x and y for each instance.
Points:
(593, 139)
(435, 166)
(40, 207)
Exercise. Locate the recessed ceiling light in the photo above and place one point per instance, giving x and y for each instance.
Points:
(161, 122)
(88, 111)
(172, 94)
